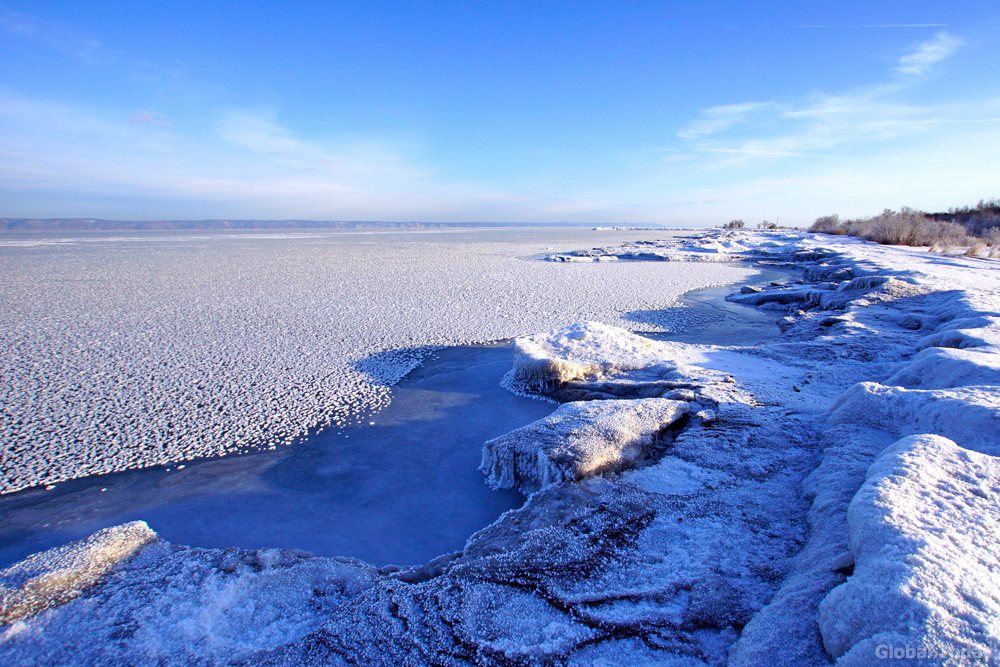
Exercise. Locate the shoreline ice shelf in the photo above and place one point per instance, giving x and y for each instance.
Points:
(754, 534)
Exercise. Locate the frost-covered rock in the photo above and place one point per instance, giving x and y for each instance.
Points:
(580, 440)
(926, 581)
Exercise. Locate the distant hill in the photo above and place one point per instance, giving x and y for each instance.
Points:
(96, 224)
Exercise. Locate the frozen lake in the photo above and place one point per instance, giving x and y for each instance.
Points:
(133, 354)
(402, 490)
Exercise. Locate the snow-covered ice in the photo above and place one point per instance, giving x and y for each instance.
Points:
(591, 360)
(401, 491)
(123, 351)
(833, 493)
(580, 440)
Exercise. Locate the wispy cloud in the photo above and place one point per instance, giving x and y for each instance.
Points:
(761, 151)
(720, 118)
(821, 121)
(889, 143)
(360, 162)
(928, 53)
(248, 163)
(140, 117)
(16, 24)
(56, 36)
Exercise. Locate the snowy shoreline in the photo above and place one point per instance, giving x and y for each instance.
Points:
(755, 533)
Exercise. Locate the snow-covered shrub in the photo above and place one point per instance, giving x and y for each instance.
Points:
(903, 227)
(828, 224)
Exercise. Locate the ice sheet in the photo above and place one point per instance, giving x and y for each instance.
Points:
(122, 351)
(402, 490)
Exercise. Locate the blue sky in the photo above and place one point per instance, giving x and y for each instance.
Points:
(677, 113)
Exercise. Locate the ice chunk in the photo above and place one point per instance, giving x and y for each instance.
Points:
(579, 440)
(605, 361)
(54, 577)
(583, 350)
(923, 532)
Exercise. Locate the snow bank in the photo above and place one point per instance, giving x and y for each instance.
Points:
(944, 368)
(968, 415)
(580, 440)
(926, 581)
(973, 332)
(54, 577)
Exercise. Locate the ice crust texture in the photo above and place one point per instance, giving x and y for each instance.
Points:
(821, 504)
(122, 352)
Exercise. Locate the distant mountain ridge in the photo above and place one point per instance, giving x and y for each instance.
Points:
(97, 224)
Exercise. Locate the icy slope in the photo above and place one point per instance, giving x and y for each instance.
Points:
(55, 577)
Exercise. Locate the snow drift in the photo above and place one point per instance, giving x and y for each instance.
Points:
(926, 581)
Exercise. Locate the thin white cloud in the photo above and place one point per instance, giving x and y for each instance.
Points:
(815, 125)
(361, 163)
(57, 36)
(927, 54)
(16, 24)
(248, 165)
(720, 118)
(761, 151)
